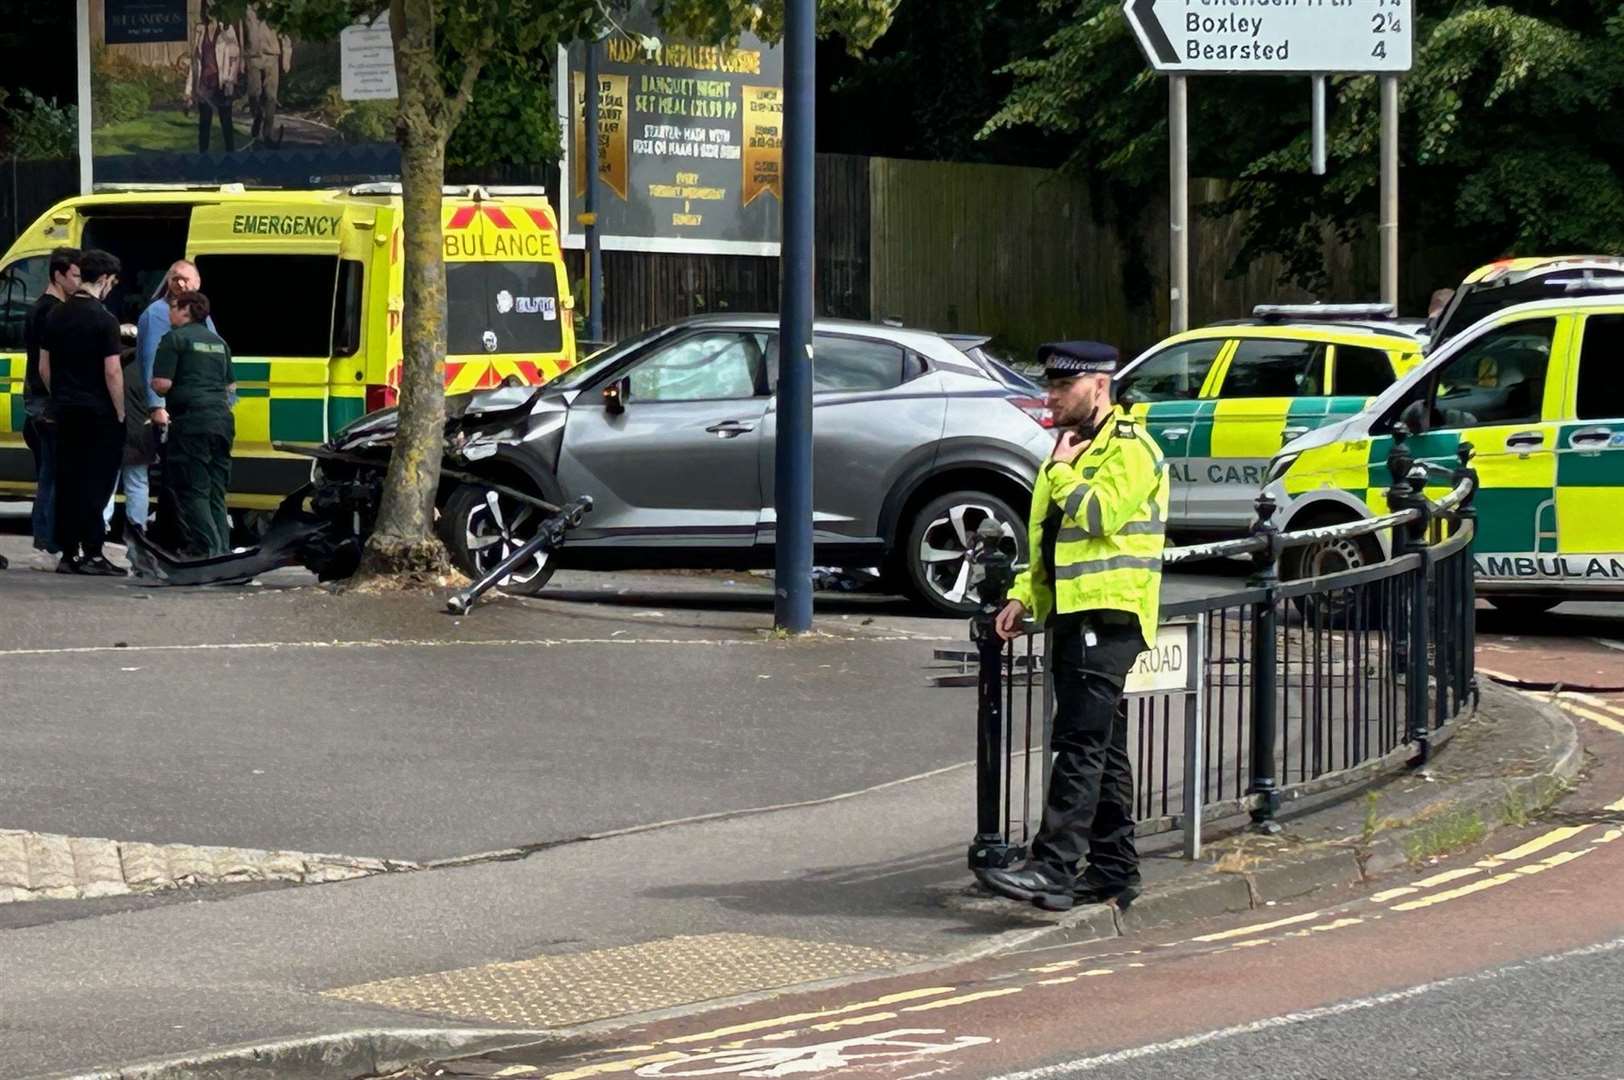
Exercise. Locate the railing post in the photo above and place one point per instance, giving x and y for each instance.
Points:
(1409, 493)
(990, 849)
(1265, 699)
(1468, 591)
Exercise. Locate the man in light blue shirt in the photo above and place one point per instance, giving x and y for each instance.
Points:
(154, 324)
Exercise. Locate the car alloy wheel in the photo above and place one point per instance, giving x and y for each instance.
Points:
(482, 528)
(946, 545)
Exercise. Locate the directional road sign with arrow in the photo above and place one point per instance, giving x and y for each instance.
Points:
(1262, 37)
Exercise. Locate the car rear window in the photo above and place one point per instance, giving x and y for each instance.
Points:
(503, 307)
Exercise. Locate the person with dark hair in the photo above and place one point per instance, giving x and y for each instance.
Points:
(39, 425)
(80, 363)
(193, 372)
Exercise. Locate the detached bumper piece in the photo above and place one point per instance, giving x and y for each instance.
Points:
(322, 539)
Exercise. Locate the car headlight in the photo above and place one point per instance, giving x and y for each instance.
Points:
(1280, 466)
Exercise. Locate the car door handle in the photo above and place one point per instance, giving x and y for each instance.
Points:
(730, 429)
(1592, 438)
(1175, 432)
(1295, 431)
(1525, 440)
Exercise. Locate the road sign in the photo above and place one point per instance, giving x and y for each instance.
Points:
(1274, 37)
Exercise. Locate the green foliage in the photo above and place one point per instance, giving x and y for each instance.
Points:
(121, 102)
(368, 122)
(40, 129)
(512, 118)
(1512, 132)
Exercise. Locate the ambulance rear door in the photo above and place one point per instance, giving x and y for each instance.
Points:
(273, 274)
(507, 307)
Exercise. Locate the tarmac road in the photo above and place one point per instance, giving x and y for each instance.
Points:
(1504, 961)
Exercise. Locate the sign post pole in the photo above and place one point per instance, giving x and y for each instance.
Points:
(1178, 129)
(82, 40)
(1317, 136)
(792, 488)
(594, 252)
(1389, 190)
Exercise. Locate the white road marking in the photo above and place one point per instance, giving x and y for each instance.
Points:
(429, 643)
(1099, 1061)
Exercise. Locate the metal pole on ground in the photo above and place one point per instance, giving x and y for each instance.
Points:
(1178, 263)
(594, 252)
(1317, 108)
(792, 488)
(1265, 672)
(86, 154)
(1389, 190)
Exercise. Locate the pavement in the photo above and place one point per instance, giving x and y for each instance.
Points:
(1499, 957)
(636, 798)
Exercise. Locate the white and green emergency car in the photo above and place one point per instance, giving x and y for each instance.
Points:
(1222, 400)
(1538, 390)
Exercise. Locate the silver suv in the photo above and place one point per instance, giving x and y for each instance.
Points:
(917, 439)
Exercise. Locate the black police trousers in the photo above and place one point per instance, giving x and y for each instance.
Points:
(1090, 806)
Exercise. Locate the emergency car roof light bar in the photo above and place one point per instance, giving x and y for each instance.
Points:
(1325, 312)
(1589, 281)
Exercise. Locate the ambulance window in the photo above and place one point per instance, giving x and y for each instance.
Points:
(1263, 368)
(1361, 372)
(1497, 379)
(1601, 369)
(20, 286)
(503, 307)
(347, 309)
(272, 305)
(1174, 374)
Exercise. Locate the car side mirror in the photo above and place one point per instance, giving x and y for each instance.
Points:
(614, 396)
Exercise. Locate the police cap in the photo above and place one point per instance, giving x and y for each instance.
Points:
(1068, 359)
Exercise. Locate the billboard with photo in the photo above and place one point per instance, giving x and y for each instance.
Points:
(690, 141)
(180, 95)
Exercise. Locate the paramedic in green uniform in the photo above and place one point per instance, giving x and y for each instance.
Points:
(193, 373)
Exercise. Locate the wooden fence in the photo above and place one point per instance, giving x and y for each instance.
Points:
(1012, 252)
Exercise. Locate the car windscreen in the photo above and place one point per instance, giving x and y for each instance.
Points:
(588, 369)
(503, 307)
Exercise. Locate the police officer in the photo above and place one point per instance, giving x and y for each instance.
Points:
(193, 372)
(1098, 523)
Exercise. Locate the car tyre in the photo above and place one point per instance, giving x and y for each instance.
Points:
(481, 527)
(1329, 557)
(936, 550)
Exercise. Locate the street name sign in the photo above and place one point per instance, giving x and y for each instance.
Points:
(1274, 37)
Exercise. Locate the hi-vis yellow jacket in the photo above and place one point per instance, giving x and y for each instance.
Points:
(1112, 506)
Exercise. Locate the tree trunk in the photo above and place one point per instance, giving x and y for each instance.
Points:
(403, 541)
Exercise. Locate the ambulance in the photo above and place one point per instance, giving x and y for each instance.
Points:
(306, 288)
(1534, 387)
(1222, 400)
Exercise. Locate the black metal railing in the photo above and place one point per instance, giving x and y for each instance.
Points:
(1293, 688)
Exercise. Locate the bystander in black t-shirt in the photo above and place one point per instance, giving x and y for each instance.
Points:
(80, 336)
(33, 334)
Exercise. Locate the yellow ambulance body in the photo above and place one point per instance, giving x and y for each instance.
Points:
(306, 288)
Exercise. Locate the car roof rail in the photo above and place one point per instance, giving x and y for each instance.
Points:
(1324, 312)
(477, 192)
(134, 186)
(1386, 329)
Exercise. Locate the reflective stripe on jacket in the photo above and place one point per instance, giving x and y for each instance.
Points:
(1112, 506)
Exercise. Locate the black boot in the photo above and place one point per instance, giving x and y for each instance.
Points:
(1032, 885)
(1124, 893)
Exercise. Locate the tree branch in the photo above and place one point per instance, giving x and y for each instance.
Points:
(474, 61)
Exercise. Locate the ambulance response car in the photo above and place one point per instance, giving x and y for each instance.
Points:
(306, 288)
(1222, 400)
(1536, 389)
